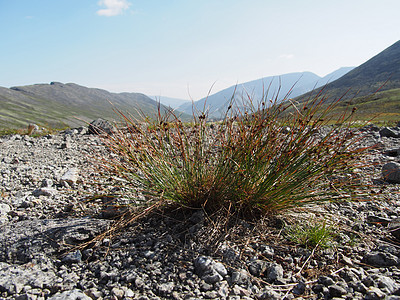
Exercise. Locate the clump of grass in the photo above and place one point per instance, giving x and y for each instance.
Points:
(261, 158)
(10, 131)
(30, 130)
(313, 234)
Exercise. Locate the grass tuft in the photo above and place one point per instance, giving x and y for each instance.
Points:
(259, 159)
(311, 235)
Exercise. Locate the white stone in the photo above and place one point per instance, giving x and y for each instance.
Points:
(71, 176)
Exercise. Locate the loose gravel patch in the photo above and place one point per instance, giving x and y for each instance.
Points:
(53, 199)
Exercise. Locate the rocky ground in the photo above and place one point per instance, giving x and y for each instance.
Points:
(52, 200)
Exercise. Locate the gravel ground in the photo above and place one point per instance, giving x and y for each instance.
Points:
(51, 201)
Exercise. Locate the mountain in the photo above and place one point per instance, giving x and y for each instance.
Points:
(168, 101)
(333, 76)
(294, 84)
(381, 72)
(58, 104)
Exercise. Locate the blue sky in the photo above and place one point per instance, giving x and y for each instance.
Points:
(180, 48)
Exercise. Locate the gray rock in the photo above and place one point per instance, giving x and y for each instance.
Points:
(257, 267)
(381, 259)
(240, 291)
(73, 257)
(204, 286)
(220, 269)
(4, 209)
(318, 288)
(100, 126)
(139, 283)
(274, 272)
(392, 152)
(391, 172)
(22, 241)
(94, 293)
(269, 294)
(212, 278)
(336, 290)
(299, 289)
(7, 160)
(166, 288)
(223, 289)
(119, 293)
(240, 277)
(229, 254)
(394, 228)
(82, 130)
(211, 295)
(47, 183)
(348, 275)
(267, 251)
(71, 131)
(360, 287)
(44, 191)
(347, 260)
(387, 132)
(65, 145)
(374, 293)
(209, 270)
(203, 264)
(369, 281)
(70, 176)
(326, 281)
(370, 128)
(388, 283)
(129, 293)
(13, 278)
(70, 295)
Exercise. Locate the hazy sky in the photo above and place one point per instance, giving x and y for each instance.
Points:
(179, 47)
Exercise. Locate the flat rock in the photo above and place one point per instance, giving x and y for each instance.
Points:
(100, 126)
(14, 277)
(381, 259)
(209, 270)
(44, 191)
(22, 241)
(70, 176)
(394, 228)
(391, 172)
(388, 132)
(70, 295)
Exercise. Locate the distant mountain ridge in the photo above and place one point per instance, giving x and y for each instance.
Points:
(380, 72)
(59, 104)
(273, 87)
(169, 101)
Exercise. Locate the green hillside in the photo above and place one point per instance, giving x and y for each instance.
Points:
(381, 72)
(373, 88)
(382, 107)
(59, 105)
